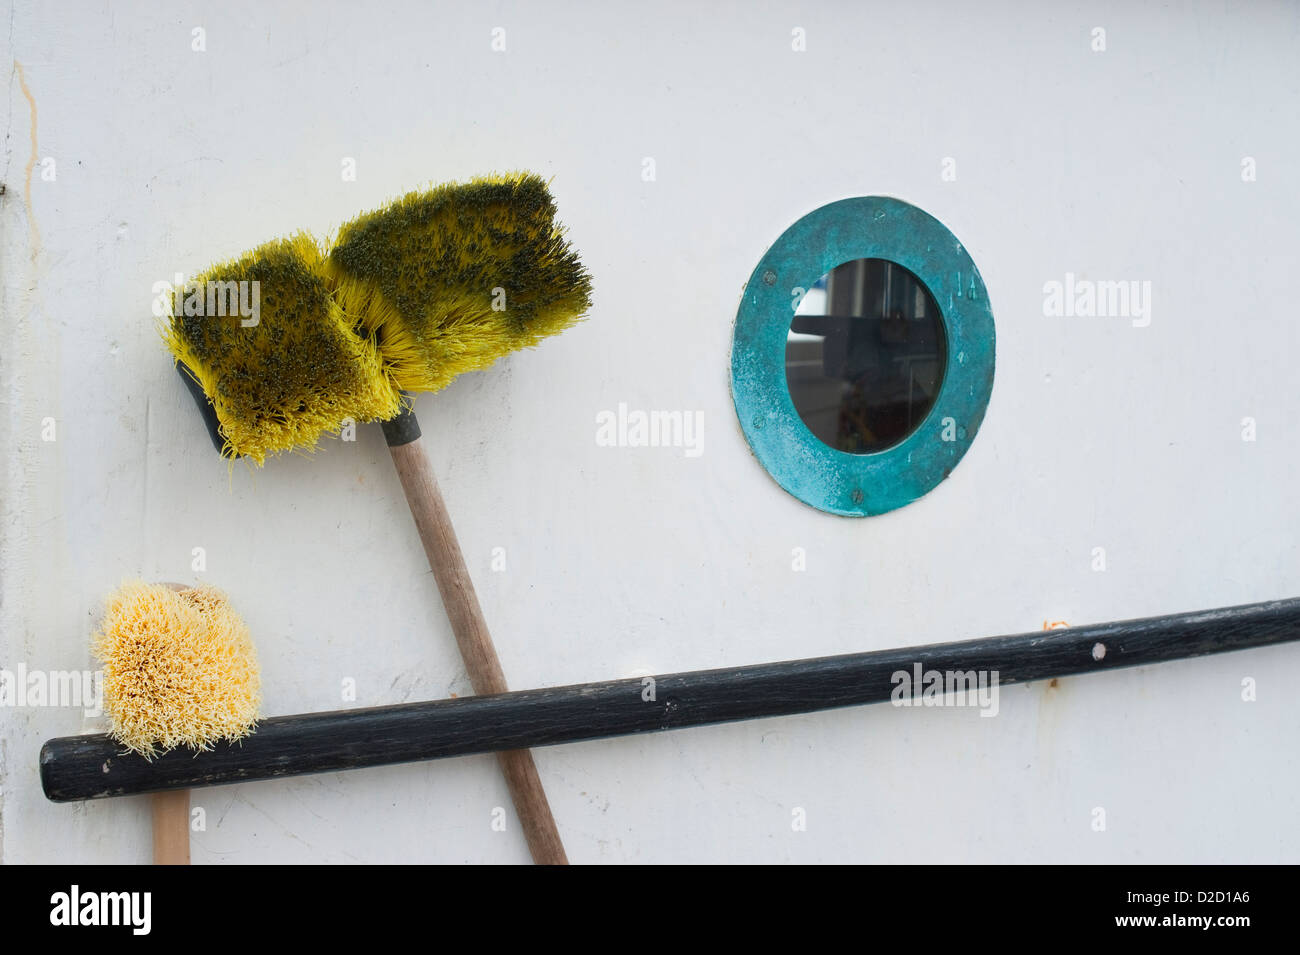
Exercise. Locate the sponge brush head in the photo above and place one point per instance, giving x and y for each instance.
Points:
(450, 279)
(292, 370)
(179, 668)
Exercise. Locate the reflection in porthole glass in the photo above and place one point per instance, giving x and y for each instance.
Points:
(865, 355)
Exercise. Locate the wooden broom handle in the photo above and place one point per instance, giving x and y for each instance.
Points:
(171, 811)
(171, 827)
(485, 673)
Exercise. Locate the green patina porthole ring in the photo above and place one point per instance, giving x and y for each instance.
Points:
(859, 485)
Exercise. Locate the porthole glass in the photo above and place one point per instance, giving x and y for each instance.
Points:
(865, 355)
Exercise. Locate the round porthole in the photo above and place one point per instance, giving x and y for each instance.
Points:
(863, 356)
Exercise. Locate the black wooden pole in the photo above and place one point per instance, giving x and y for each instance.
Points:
(92, 767)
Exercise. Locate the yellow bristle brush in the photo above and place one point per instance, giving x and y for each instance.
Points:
(449, 279)
(296, 370)
(179, 671)
(437, 283)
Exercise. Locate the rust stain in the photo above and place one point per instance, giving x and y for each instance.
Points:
(35, 234)
(1052, 685)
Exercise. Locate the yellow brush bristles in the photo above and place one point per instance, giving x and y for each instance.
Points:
(293, 370)
(437, 283)
(450, 279)
(179, 668)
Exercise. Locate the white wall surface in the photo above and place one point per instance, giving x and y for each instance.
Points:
(1122, 164)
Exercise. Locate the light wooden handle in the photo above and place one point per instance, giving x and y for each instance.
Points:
(171, 811)
(485, 673)
(171, 827)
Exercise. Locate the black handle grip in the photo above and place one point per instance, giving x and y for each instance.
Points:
(206, 410)
(404, 428)
(91, 767)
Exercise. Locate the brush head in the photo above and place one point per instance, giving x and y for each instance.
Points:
(449, 279)
(437, 283)
(179, 668)
(295, 369)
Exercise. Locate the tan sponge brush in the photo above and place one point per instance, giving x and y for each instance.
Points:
(179, 668)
